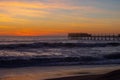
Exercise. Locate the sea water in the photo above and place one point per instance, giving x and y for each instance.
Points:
(52, 51)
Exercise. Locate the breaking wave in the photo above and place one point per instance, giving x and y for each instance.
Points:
(8, 62)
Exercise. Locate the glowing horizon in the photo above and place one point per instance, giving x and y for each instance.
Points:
(58, 17)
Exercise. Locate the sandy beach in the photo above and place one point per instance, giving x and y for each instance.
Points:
(50, 73)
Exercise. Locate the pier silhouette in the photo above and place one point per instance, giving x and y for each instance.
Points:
(87, 36)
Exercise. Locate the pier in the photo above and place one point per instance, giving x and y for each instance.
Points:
(86, 36)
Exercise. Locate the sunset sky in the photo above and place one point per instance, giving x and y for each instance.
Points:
(58, 17)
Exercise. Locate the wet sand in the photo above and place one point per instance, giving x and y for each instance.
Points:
(53, 73)
(114, 75)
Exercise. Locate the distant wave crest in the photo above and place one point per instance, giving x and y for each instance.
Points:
(54, 45)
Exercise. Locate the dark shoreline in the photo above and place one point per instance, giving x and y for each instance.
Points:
(114, 75)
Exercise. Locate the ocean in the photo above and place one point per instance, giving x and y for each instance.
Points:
(56, 51)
